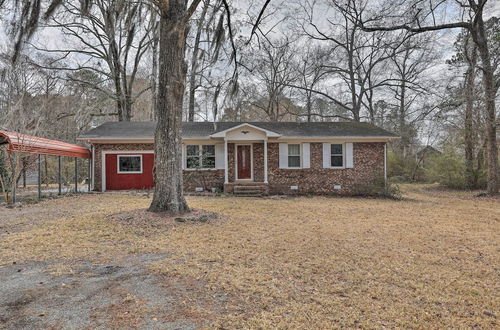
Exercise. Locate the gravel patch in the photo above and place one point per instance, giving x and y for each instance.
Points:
(87, 295)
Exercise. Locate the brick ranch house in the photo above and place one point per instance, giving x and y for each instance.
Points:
(276, 158)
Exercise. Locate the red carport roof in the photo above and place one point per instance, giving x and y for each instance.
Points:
(33, 144)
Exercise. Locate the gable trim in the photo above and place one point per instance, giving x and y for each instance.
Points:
(223, 133)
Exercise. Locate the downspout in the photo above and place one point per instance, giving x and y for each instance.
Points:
(92, 169)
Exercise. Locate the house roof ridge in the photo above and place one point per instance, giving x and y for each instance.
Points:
(145, 129)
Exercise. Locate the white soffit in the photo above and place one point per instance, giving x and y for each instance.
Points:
(223, 133)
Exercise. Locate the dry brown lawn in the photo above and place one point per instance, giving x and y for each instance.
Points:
(429, 261)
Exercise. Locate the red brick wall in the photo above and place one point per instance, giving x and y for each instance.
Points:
(207, 179)
(258, 162)
(231, 161)
(368, 163)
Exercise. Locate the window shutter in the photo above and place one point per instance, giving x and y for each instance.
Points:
(349, 155)
(306, 155)
(219, 156)
(183, 158)
(326, 155)
(283, 155)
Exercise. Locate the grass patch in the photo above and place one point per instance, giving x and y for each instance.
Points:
(427, 261)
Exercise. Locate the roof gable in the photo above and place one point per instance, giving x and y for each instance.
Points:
(223, 133)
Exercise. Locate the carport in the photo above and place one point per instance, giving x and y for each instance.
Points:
(22, 143)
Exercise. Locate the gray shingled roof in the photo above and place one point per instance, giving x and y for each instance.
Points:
(145, 130)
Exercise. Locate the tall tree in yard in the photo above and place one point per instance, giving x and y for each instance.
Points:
(174, 17)
(168, 195)
(470, 52)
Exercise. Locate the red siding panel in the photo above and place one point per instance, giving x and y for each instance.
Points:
(122, 181)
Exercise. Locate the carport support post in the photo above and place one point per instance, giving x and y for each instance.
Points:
(39, 177)
(14, 155)
(76, 175)
(265, 161)
(89, 173)
(59, 174)
(226, 175)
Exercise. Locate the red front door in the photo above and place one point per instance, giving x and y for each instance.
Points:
(244, 162)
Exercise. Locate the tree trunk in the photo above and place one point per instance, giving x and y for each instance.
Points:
(402, 119)
(126, 92)
(115, 68)
(479, 163)
(194, 61)
(479, 35)
(469, 109)
(308, 106)
(168, 195)
(120, 104)
(154, 73)
(371, 109)
(128, 108)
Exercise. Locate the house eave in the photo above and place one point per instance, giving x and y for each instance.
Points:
(115, 140)
(343, 138)
(280, 138)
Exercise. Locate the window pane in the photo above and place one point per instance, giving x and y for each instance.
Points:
(293, 161)
(294, 149)
(130, 163)
(208, 150)
(337, 161)
(336, 149)
(192, 150)
(208, 162)
(193, 162)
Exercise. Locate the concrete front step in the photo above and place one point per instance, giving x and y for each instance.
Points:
(247, 195)
(249, 190)
(246, 188)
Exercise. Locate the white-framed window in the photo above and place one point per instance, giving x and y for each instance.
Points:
(129, 164)
(337, 155)
(200, 156)
(294, 155)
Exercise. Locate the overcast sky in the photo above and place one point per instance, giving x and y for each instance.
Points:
(284, 13)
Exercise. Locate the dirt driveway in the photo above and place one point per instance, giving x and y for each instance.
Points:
(119, 295)
(100, 261)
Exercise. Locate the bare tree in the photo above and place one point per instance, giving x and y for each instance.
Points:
(112, 37)
(310, 73)
(154, 64)
(420, 19)
(193, 85)
(355, 58)
(470, 52)
(274, 68)
(410, 86)
(211, 82)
